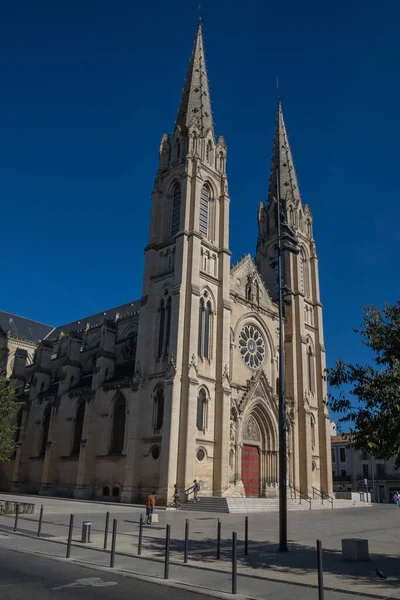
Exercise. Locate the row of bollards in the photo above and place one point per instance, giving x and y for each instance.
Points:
(86, 538)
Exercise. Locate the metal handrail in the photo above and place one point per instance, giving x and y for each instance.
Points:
(301, 495)
(323, 496)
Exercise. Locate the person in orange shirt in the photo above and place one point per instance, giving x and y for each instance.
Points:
(150, 505)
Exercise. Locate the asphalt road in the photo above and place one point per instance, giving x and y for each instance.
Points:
(39, 578)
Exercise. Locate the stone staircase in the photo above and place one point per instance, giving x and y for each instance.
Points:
(253, 505)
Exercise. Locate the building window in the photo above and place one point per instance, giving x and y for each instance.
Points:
(118, 426)
(45, 429)
(365, 471)
(164, 325)
(333, 455)
(178, 149)
(343, 472)
(364, 455)
(158, 414)
(306, 272)
(342, 455)
(200, 455)
(106, 491)
(78, 431)
(310, 369)
(380, 470)
(161, 311)
(168, 324)
(201, 416)
(115, 492)
(204, 206)
(204, 335)
(176, 208)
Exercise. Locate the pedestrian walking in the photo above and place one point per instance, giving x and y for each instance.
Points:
(150, 506)
(176, 496)
(196, 489)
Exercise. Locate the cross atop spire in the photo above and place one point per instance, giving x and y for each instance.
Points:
(195, 105)
(282, 158)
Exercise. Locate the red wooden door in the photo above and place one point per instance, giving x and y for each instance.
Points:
(251, 471)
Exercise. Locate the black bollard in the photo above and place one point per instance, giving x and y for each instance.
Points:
(71, 527)
(234, 562)
(40, 521)
(185, 553)
(113, 544)
(106, 531)
(166, 564)
(219, 540)
(139, 551)
(320, 571)
(246, 536)
(16, 516)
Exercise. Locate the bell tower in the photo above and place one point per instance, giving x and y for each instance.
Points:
(305, 360)
(183, 338)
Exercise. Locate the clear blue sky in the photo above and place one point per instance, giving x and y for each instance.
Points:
(88, 88)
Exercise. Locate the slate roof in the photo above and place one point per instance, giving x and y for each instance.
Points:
(123, 309)
(24, 328)
(32, 330)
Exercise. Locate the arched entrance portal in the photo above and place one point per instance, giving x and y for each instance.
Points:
(259, 464)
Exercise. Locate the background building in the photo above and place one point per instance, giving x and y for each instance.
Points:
(351, 467)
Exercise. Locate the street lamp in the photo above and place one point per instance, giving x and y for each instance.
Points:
(286, 242)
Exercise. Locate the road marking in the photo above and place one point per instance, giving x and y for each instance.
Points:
(87, 581)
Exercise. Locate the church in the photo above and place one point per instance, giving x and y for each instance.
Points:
(182, 384)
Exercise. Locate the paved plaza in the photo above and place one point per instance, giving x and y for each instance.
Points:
(264, 573)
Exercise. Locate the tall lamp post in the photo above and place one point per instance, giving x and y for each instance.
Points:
(286, 242)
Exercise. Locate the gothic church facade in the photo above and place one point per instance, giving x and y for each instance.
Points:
(182, 384)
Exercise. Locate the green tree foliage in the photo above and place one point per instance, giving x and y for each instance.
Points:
(8, 408)
(369, 396)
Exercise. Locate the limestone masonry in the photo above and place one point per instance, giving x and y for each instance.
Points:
(182, 384)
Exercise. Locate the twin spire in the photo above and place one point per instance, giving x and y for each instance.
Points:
(195, 109)
(195, 105)
(282, 161)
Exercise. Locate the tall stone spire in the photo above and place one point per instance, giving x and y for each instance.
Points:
(195, 105)
(282, 157)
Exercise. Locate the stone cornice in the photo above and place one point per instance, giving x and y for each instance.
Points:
(208, 277)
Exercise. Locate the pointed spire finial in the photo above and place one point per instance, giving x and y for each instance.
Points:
(195, 104)
(282, 162)
(199, 15)
(278, 91)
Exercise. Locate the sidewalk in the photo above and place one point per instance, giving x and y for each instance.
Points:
(264, 574)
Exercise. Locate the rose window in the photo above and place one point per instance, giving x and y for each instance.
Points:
(251, 346)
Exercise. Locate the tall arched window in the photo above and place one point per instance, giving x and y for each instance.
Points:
(310, 369)
(207, 327)
(204, 206)
(176, 208)
(118, 425)
(201, 411)
(45, 429)
(201, 316)
(168, 324)
(161, 310)
(78, 431)
(178, 149)
(306, 267)
(158, 414)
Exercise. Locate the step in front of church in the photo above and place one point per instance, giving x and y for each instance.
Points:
(258, 505)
